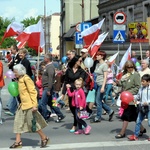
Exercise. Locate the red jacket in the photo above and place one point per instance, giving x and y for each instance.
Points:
(78, 98)
(2, 83)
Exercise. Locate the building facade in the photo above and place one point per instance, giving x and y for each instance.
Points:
(136, 12)
(73, 12)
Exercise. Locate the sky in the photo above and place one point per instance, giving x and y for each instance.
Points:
(21, 9)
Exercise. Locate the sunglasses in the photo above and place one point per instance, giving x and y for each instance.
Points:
(129, 66)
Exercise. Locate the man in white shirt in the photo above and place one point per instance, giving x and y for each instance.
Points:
(145, 68)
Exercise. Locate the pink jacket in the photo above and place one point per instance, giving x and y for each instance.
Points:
(78, 98)
(39, 86)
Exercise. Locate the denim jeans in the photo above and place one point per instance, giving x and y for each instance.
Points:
(108, 92)
(100, 104)
(139, 120)
(13, 104)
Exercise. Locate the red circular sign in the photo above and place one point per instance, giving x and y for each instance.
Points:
(120, 17)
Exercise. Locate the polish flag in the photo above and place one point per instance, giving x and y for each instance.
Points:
(13, 29)
(96, 45)
(113, 57)
(126, 56)
(33, 36)
(91, 34)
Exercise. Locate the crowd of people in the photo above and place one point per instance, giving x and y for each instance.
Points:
(43, 92)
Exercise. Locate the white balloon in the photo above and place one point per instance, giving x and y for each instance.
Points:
(88, 62)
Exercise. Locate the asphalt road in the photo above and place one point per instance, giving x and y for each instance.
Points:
(102, 135)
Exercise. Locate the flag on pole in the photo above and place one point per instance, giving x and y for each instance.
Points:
(14, 29)
(96, 45)
(126, 56)
(113, 57)
(33, 35)
(91, 34)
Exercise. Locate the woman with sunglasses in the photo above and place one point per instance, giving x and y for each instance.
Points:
(130, 81)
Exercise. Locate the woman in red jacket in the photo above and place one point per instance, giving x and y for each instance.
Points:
(1, 86)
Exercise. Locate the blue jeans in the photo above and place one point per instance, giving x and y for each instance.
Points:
(100, 104)
(108, 92)
(139, 120)
(12, 104)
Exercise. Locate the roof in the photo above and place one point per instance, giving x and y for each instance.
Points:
(70, 33)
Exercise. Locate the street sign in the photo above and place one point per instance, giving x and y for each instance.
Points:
(120, 17)
(78, 27)
(78, 40)
(85, 25)
(119, 34)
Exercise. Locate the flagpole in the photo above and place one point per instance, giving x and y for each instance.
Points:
(38, 60)
(141, 50)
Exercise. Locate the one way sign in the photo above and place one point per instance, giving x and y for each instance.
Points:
(119, 34)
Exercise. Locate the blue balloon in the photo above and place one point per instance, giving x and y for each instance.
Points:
(64, 59)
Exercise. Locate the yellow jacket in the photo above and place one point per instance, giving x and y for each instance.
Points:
(27, 92)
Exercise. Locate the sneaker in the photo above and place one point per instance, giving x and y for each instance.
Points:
(60, 118)
(9, 113)
(111, 115)
(79, 132)
(95, 120)
(133, 138)
(141, 132)
(87, 130)
(53, 115)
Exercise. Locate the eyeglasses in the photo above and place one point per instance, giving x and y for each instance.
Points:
(129, 66)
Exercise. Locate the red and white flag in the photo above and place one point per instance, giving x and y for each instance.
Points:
(126, 56)
(14, 29)
(33, 35)
(113, 57)
(96, 45)
(91, 34)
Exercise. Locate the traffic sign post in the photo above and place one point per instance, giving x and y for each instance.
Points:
(120, 18)
(78, 40)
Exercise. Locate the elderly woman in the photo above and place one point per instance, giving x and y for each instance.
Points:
(27, 110)
(131, 82)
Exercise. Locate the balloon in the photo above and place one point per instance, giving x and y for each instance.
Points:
(64, 59)
(135, 31)
(134, 60)
(139, 68)
(144, 32)
(137, 64)
(88, 62)
(126, 97)
(13, 88)
(9, 74)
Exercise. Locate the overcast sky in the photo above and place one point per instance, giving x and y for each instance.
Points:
(21, 9)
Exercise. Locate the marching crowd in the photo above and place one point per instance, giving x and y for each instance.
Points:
(44, 90)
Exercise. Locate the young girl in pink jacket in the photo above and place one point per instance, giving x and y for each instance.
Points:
(79, 101)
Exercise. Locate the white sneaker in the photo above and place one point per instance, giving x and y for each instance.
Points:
(53, 115)
(1, 122)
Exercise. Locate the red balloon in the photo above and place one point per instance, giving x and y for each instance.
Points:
(126, 97)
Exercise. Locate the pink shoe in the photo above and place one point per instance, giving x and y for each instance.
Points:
(87, 130)
(79, 132)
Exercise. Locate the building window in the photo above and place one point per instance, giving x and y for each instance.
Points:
(146, 10)
(130, 12)
(111, 22)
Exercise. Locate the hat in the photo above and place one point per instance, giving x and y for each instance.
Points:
(84, 50)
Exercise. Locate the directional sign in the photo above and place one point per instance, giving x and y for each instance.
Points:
(78, 40)
(119, 17)
(119, 34)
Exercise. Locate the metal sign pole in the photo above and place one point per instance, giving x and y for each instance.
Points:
(118, 55)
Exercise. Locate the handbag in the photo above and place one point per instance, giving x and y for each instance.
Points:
(91, 96)
(143, 108)
(33, 128)
(83, 114)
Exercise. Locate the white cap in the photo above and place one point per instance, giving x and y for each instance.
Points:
(84, 50)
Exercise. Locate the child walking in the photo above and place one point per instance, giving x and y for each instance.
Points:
(143, 100)
(79, 101)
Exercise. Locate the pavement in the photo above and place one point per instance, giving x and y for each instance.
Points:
(102, 136)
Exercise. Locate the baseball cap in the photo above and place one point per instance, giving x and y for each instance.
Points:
(84, 50)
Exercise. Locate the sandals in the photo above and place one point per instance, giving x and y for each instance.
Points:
(16, 145)
(118, 136)
(44, 142)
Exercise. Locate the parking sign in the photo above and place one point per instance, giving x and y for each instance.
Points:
(78, 40)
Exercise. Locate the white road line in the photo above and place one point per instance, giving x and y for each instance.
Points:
(85, 145)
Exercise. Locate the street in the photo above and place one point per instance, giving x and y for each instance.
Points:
(102, 135)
